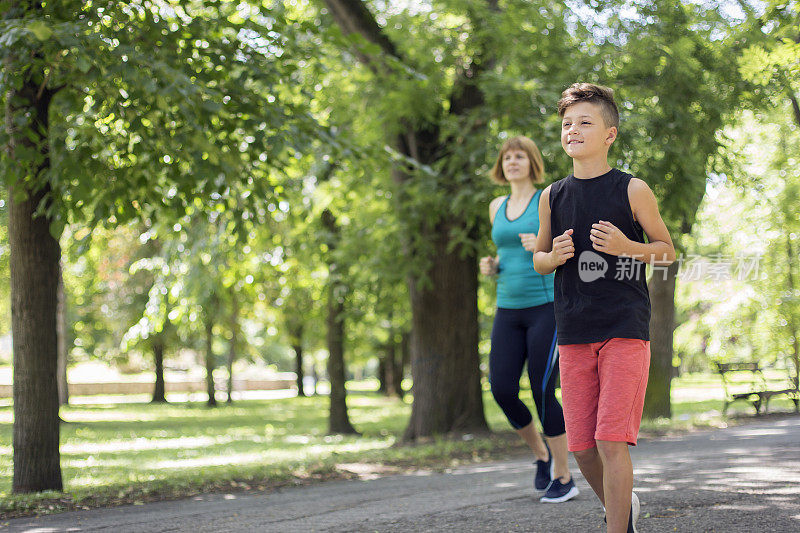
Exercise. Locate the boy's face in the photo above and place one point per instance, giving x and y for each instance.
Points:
(584, 134)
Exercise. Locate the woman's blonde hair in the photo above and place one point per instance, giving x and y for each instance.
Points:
(534, 156)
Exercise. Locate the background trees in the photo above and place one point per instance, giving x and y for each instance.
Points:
(113, 110)
(290, 182)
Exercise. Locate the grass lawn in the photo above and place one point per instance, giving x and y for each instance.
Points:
(136, 452)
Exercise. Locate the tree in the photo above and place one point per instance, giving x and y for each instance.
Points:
(681, 85)
(429, 76)
(112, 109)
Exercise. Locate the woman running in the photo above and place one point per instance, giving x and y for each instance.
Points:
(524, 327)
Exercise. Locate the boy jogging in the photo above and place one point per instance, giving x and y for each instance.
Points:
(592, 234)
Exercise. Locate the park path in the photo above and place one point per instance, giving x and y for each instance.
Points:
(740, 479)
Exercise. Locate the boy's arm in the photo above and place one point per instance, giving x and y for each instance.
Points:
(659, 251)
(544, 260)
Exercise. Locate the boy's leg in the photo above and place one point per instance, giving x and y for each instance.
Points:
(623, 366)
(617, 483)
(591, 466)
(580, 389)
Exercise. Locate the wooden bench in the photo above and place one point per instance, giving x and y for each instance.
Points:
(759, 390)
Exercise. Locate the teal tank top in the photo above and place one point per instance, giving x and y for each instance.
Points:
(518, 284)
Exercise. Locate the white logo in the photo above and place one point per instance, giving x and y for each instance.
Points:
(591, 266)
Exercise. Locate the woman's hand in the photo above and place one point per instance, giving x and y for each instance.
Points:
(488, 266)
(528, 241)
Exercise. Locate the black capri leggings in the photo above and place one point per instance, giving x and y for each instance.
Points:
(520, 335)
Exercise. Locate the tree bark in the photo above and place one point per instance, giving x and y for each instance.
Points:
(792, 320)
(391, 370)
(34, 266)
(209, 323)
(402, 365)
(795, 107)
(296, 336)
(298, 366)
(234, 341)
(382, 373)
(159, 389)
(657, 401)
(338, 420)
(34, 292)
(63, 351)
(444, 346)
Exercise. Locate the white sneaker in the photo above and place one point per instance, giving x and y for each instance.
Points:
(635, 509)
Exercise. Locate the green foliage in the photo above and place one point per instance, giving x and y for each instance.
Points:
(771, 61)
(751, 214)
(676, 83)
(155, 107)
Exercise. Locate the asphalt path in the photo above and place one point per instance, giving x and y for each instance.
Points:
(739, 479)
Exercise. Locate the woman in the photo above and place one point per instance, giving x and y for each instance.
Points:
(524, 325)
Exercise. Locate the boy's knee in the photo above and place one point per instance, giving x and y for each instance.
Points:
(612, 449)
(588, 454)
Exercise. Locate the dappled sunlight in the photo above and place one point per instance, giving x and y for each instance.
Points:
(722, 474)
(220, 460)
(142, 444)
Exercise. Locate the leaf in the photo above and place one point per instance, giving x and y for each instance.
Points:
(83, 64)
(40, 30)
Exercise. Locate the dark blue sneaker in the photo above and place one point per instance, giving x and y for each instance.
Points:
(559, 492)
(544, 472)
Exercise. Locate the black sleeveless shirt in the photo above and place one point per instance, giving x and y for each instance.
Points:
(598, 296)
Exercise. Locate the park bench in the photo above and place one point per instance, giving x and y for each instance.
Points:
(758, 389)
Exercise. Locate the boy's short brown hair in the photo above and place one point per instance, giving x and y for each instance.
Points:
(523, 144)
(595, 94)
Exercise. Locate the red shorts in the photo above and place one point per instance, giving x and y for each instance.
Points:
(602, 390)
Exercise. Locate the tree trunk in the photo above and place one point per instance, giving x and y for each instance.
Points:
(792, 320)
(298, 366)
(402, 365)
(338, 421)
(63, 351)
(212, 400)
(234, 341)
(34, 266)
(662, 325)
(444, 346)
(34, 294)
(382, 373)
(392, 370)
(159, 390)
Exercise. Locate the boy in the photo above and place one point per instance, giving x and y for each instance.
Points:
(599, 217)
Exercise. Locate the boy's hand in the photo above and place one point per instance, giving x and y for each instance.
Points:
(488, 266)
(606, 237)
(528, 241)
(563, 248)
